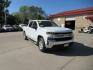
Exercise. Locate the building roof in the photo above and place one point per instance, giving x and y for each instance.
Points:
(73, 12)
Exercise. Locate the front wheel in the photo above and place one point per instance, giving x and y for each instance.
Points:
(41, 45)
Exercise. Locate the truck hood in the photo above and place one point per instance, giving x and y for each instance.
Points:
(57, 29)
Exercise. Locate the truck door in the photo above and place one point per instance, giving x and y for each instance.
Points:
(34, 31)
(28, 30)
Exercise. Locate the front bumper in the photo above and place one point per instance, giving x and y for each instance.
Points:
(53, 43)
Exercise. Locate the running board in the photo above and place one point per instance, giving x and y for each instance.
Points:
(33, 41)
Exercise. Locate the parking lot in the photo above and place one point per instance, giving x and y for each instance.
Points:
(18, 54)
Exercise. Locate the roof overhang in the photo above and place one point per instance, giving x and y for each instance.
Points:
(73, 13)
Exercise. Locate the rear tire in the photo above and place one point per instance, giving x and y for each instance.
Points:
(41, 45)
(25, 37)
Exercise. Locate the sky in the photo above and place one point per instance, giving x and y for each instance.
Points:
(51, 6)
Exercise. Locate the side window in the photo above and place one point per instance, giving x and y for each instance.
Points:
(34, 25)
(30, 25)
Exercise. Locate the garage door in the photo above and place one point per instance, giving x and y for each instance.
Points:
(70, 22)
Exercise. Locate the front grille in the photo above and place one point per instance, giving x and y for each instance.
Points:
(65, 34)
(62, 36)
(62, 33)
(63, 39)
(60, 39)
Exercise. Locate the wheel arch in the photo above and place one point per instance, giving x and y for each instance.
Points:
(39, 36)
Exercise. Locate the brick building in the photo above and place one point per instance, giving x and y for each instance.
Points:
(74, 19)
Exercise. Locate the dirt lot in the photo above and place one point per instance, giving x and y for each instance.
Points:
(18, 54)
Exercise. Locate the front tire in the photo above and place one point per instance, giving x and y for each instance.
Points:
(41, 45)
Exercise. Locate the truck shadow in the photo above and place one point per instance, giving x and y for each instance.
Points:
(77, 49)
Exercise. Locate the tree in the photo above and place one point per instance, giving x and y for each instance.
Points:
(36, 13)
(19, 17)
(6, 3)
(4, 11)
(11, 20)
(30, 12)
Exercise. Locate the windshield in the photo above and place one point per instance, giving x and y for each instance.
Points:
(47, 24)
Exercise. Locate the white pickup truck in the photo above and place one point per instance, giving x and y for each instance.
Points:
(47, 34)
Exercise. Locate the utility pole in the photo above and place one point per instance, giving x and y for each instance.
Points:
(6, 4)
(5, 12)
(1, 12)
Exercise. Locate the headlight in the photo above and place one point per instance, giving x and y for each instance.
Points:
(50, 34)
